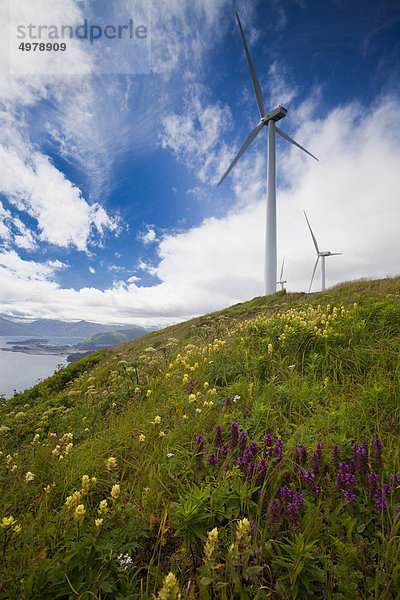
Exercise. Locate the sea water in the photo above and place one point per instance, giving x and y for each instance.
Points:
(20, 371)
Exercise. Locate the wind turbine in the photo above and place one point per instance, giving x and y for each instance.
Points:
(320, 255)
(269, 120)
(281, 281)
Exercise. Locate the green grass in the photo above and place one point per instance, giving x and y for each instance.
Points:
(303, 369)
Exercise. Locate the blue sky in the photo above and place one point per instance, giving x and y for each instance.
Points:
(109, 209)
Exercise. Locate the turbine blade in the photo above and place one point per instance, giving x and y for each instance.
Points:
(283, 263)
(313, 273)
(247, 143)
(292, 141)
(336, 254)
(311, 231)
(257, 88)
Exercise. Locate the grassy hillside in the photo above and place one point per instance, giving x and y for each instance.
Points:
(252, 453)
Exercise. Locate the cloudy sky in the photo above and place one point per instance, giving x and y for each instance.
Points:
(109, 209)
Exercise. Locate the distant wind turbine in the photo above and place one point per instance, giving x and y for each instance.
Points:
(268, 119)
(320, 255)
(281, 281)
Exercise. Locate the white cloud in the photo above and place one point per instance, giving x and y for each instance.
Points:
(149, 237)
(196, 135)
(351, 199)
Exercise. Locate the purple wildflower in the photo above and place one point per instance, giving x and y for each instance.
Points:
(292, 513)
(300, 455)
(285, 494)
(274, 511)
(212, 460)
(318, 489)
(241, 464)
(278, 450)
(247, 455)
(360, 458)
(224, 450)
(296, 456)
(314, 461)
(242, 442)
(345, 481)
(298, 499)
(254, 447)
(261, 472)
(218, 436)
(268, 443)
(387, 489)
(350, 495)
(325, 469)
(379, 501)
(228, 401)
(234, 437)
(372, 484)
(308, 478)
(190, 386)
(336, 452)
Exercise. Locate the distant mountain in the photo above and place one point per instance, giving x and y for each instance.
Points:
(109, 339)
(10, 328)
(52, 327)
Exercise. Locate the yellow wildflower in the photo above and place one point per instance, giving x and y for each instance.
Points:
(103, 507)
(85, 484)
(157, 420)
(161, 434)
(148, 393)
(7, 522)
(211, 545)
(73, 500)
(98, 522)
(170, 589)
(142, 437)
(115, 491)
(79, 512)
(192, 397)
(111, 463)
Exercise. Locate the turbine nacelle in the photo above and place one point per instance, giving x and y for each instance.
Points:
(274, 115)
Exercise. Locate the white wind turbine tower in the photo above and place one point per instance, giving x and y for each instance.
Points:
(268, 119)
(281, 280)
(320, 255)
